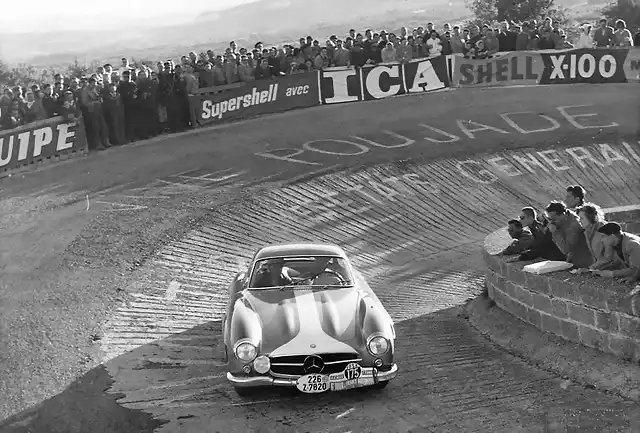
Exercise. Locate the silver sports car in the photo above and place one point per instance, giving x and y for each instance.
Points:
(303, 317)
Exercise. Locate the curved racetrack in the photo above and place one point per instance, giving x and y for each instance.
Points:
(408, 186)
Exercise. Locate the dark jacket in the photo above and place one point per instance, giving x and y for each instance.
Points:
(542, 246)
(521, 243)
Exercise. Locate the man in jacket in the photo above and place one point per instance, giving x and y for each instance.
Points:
(568, 234)
(542, 245)
(627, 247)
(522, 239)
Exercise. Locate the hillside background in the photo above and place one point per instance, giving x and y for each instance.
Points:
(270, 21)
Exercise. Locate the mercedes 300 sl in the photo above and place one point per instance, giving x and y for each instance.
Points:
(302, 316)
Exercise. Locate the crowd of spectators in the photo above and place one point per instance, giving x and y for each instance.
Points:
(123, 104)
(577, 232)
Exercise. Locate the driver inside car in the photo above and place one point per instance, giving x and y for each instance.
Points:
(273, 274)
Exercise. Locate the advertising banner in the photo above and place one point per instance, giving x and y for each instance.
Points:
(40, 140)
(508, 69)
(381, 81)
(632, 65)
(584, 65)
(257, 98)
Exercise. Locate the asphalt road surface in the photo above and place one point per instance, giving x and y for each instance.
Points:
(115, 266)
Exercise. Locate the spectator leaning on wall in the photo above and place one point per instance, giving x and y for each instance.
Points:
(627, 247)
(567, 234)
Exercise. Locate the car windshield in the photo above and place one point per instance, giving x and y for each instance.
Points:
(292, 272)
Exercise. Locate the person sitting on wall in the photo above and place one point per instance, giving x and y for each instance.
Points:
(542, 245)
(575, 197)
(568, 235)
(627, 247)
(522, 239)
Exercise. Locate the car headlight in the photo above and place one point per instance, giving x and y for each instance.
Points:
(262, 364)
(378, 345)
(246, 352)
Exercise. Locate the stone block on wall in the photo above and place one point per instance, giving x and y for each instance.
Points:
(559, 308)
(565, 289)
(550, 324)
(537, 283)
(515, 274)
(593, 338)
(629, 326)
(569, 330)
(622, 347)
(582, 314)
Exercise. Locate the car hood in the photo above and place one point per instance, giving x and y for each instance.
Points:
(297, 322)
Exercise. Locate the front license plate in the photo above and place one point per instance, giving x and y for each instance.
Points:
(313, 383)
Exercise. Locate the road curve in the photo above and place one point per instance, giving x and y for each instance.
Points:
(409, 186)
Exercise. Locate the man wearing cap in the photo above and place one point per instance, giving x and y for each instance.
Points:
(627, 246)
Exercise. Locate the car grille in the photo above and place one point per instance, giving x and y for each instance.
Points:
(294, 365)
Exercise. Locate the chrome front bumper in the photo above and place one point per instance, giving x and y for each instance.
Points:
(246, 382)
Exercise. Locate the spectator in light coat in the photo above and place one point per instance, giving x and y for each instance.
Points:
(622, 36)
(434, 45)
(592, 219)
(627, 247)
(522, 239)
(568, 235)
(584, 40)
(388, 54)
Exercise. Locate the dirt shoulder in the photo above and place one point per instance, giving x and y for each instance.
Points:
(571, 361)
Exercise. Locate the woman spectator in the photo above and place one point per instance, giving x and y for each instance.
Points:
(592, 218)
(562, 43)
(388, 54)
(622, 36)
(585, 40)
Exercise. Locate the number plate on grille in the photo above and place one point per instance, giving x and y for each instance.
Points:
(313, 383)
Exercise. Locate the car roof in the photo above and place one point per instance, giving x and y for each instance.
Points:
(309, 249)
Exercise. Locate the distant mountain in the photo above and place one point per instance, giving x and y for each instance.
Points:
(270, 21)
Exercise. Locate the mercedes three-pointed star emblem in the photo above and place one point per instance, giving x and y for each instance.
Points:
(313, 364)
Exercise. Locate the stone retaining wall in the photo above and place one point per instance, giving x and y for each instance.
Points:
(580, 308)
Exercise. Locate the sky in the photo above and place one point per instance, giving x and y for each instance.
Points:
(44, 15)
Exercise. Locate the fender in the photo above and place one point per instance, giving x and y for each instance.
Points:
(244, 324)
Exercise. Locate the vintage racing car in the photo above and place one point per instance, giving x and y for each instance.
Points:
(302, 316)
